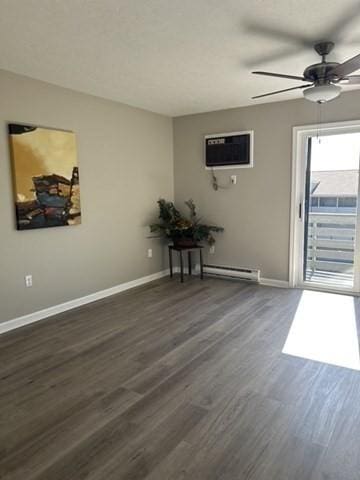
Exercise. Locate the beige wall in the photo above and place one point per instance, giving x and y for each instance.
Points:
(125, 159)
(256, 211)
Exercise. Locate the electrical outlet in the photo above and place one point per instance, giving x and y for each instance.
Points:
(28, 281)
(212, 249)
(233, 179)
(149, 253)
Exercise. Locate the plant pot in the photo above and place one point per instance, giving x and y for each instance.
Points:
(184, 242)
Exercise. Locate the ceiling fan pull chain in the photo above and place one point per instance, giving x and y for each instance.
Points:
(319, 121)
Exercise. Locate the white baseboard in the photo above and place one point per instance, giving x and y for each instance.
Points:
(271, 282)
(77, 302)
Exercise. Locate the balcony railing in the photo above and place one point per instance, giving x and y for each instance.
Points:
(331, 245)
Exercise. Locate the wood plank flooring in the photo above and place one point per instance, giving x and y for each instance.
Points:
(174, 381)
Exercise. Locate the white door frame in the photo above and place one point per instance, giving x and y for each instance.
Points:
(298, 171)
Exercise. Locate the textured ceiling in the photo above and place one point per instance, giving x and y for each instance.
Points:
(172, 56)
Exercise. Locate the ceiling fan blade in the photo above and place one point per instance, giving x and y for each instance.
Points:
(280, 54)
(347, 67)
(351, 80)
(278, 34)
(281, 91)
(337, 30)
(280, 75)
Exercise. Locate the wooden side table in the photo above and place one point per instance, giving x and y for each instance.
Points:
(189, 251)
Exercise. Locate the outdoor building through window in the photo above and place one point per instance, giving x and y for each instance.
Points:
(328, 202)
(347, 202)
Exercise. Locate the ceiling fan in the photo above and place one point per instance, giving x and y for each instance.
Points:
(324, 77)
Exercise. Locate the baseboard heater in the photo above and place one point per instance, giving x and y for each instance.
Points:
(251, 274)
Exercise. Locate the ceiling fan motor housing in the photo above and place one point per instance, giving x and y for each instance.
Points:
(320, 73)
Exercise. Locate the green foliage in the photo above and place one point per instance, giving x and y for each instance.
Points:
(175, 226)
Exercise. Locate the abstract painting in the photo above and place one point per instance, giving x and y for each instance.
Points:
(46, 177)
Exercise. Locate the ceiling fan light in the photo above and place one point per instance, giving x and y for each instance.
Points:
(322, 93)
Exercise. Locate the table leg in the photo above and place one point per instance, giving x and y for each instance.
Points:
(189, 262)
(181, 267)
(201, 265)
(170, 262)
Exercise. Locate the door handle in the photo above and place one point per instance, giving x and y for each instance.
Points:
(300, 210)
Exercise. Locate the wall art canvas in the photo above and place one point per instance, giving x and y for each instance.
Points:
(46, 177)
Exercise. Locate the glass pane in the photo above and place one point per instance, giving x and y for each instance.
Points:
(314, 201)
(327, 201)
(348, 202)
(330, 231)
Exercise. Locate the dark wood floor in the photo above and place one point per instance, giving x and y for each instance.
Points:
(175, 381)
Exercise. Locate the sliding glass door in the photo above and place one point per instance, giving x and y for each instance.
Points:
(327, 239)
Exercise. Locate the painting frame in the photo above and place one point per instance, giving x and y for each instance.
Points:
(45, 174)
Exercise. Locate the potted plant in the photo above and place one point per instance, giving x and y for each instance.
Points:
(183, 231)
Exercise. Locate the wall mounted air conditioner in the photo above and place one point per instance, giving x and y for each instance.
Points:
(229, 150)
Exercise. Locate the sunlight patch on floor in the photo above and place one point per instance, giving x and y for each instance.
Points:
(324, 329)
